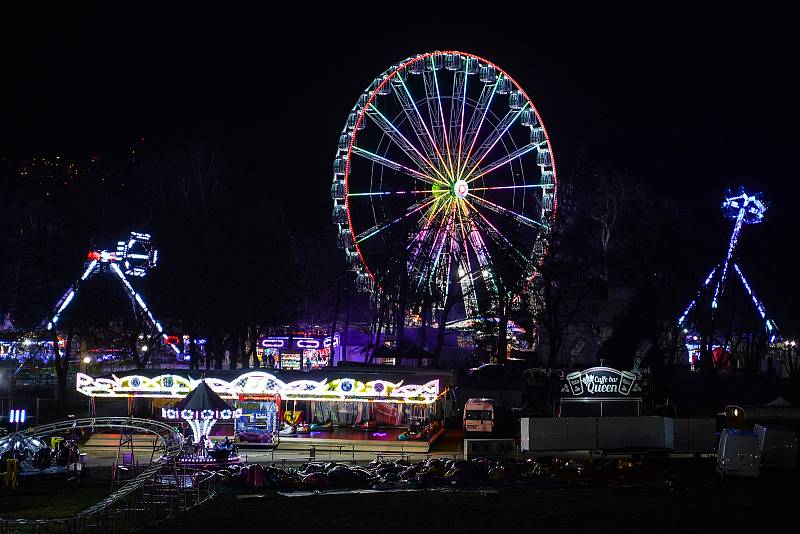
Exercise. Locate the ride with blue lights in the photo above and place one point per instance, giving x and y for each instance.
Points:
(134, 257)
(742, 209)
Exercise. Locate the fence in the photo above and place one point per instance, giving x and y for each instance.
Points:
(158, 492)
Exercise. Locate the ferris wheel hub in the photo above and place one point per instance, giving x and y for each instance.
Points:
(460, 189)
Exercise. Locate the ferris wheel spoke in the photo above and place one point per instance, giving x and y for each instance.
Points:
(434, 99)
(493, 139)
(457, 110)
(421, 238)
(484, 261)
(378, 228)
(402, 141)
(380, 193)
(465, 272)
(392, 165)
(501, 240)
(476, 122)
(417, 122)
(425, 243)
(508, 158)
(526, 186)
(500, 209)
(439, 242)
(468, 289)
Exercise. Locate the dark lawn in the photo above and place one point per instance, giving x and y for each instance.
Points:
(703, 505)
(53, 498)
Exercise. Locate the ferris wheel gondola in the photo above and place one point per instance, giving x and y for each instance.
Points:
(444, 178)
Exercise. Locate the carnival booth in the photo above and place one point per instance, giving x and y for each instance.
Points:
(598, 409)
(200, 410)
(404, 410)
(600, 392)
(298, 352)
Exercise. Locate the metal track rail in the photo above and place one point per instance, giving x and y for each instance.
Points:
(124, 503)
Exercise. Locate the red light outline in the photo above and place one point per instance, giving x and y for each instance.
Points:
(361, 117)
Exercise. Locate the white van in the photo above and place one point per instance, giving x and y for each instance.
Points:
(738, 453)
(479, 416)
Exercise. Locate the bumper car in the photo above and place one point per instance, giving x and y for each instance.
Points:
(415, 432)
(369, 424)
(254, 435)
(287, 430)
(327, 425)
(303, 428)
(408, 435)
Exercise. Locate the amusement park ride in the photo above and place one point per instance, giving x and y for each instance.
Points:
(134, 257)
(444, 183)
(742, 209)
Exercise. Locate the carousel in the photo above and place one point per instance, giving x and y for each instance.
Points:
(199, 411)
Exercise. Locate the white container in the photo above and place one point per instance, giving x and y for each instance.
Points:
(778, 447)
(558, 433)
(738, 453)
(619, 433)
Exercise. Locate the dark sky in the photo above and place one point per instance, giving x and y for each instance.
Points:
(690, 101)
(668, 92)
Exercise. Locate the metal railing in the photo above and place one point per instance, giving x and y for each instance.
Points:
(157, 492)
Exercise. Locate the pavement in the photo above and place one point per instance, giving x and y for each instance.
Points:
(448, 446)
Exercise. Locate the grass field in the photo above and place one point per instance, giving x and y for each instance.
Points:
(695, 500)
(701, 504)
(40, 499)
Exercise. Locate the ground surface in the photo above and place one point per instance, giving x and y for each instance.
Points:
(702, 504)
(54, 498)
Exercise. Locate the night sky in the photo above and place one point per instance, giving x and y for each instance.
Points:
(692, 102)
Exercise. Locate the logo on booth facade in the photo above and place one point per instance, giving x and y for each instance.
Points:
(601, 382)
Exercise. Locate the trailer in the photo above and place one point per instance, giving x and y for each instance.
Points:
(609, 434)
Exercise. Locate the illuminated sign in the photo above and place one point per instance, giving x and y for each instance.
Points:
(290, 361)
(260, 383)
(298, 342)
(601, 382)
(17, 416)
(188, 415)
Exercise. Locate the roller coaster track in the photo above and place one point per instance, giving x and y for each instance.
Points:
(136, 502)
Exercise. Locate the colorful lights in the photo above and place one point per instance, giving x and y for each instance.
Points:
(260, 383)
(17, 416)
(137, 255)
(441, 173)
(200, 421)
(742, 209)
(200, 415)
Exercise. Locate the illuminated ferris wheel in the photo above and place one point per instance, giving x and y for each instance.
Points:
(444, 179)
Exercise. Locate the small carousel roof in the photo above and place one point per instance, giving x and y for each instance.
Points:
(202, 398)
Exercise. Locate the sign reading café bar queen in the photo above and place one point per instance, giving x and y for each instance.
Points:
(602, 382)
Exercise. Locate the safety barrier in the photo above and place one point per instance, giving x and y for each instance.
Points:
(157, 492)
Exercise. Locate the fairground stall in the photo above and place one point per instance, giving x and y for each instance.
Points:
(593, 392)
(298, 352)
(401, 410)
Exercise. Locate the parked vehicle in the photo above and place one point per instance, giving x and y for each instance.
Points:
(31, 377)
(738, 453)
(487, 371)
(479, 416)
